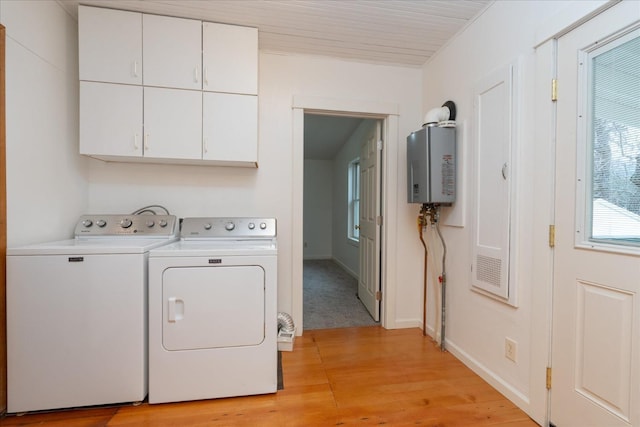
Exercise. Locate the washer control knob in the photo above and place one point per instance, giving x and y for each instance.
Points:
(87, 223)
(101, 223)
(162, 223)
(230, 226)
(126, 223)
(150, 223)
(207, 226)
(251, 226)
(263, 226)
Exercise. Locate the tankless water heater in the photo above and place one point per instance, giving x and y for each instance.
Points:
(431, 165)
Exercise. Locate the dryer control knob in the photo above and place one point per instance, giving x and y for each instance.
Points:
(251, 226)
(87, 223)
(126, 223)
(207, 226)
(150, 223)
(263, 225)
(101, 223)
(230, 226)
(162, 223)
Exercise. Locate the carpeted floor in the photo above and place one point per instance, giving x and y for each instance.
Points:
(330, 297)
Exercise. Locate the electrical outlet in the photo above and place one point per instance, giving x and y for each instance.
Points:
(510, 349)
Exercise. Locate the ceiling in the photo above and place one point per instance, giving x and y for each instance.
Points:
(390, 32)
(325, 135)
(400, 32)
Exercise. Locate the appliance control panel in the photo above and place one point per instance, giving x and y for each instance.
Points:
(127, 225)
(237, 228)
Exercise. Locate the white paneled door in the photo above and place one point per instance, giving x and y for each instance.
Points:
(369, 280)
(596, 309)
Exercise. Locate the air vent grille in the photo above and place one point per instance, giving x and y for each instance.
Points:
(488, 270)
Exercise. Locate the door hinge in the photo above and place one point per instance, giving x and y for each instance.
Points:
(378, 296)
(379, 145)
(379, 220)
(549, 378)
(552, 236)
(554, 90)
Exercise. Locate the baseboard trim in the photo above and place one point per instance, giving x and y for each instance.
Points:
(345, 268)
(497, 382)
(405, 323)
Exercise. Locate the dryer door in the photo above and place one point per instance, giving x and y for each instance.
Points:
(212, 307)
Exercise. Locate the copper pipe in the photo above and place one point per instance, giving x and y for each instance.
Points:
(422, 222)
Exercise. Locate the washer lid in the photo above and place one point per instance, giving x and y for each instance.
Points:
(93, 246)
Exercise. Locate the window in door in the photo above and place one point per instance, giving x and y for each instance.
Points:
(611, 81)
(354, 201)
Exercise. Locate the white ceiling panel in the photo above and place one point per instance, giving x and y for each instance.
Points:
(398, 32)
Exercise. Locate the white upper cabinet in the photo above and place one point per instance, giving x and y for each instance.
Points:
(110, 119)
(110, 45)
(145, 95)
(172, 52)
(230, 127)
(172, 124)
(230, 58)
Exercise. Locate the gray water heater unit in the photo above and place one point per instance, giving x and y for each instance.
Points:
(431, 165)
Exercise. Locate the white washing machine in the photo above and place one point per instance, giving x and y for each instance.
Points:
(77, 314)
(213, 311)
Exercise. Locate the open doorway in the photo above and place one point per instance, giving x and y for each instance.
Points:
(341, 268)
(388, 114)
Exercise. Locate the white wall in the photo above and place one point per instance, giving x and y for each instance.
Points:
(318, 208)
(477, 325)
(46, 177)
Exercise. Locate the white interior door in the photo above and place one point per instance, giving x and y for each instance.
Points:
(596, 310)
(369, 278)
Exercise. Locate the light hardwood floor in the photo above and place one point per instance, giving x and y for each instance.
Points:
(334, 377)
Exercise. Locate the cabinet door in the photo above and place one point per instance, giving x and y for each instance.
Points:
(172, 52)
(110, 119)
(230, 58)
(110, 45)
(230, 127)
(172, 123)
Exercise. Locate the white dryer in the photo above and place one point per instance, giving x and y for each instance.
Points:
(77, 314)
(213, 311)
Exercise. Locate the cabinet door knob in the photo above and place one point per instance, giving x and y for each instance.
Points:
(135, 141)
(135, 68)
(195, 74)
(206, 76)
(146, 141)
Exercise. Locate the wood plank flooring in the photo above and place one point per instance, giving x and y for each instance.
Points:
(334, 377)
